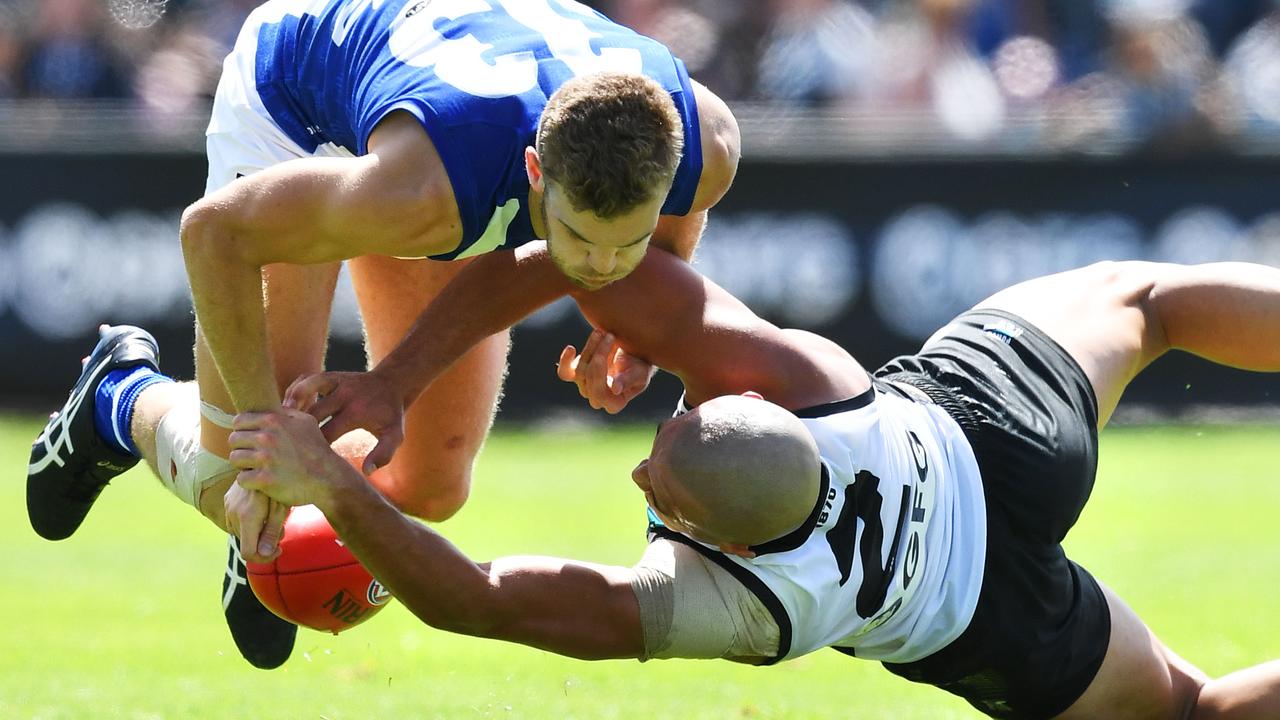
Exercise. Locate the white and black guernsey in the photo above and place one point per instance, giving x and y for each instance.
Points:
(889, 564)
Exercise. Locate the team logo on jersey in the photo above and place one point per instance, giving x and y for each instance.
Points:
(1004, 330)
(377, 593)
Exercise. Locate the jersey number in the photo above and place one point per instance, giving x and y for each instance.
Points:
(462, 61)
(862, 501)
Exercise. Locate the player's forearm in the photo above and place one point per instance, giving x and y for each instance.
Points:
(668, 314)
(577, 609)
(226, 291)
(494, 292)
(423, 570)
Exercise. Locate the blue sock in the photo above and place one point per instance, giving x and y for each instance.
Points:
(113, 405)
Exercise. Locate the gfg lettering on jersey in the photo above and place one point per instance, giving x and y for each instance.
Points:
(900, 470)
(916, 515)
(920, 505)
(918, 452)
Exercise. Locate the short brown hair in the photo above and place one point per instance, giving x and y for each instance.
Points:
(608, 140)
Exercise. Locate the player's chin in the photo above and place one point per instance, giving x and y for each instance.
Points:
(593, 283)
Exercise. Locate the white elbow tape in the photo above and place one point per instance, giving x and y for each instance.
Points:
(183, 464)
(217, 415)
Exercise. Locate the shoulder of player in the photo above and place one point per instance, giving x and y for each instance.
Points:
(721, 147)
(410, 175)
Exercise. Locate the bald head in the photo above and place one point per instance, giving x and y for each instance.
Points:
(739, 469)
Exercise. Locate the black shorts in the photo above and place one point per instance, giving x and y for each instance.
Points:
(1041, 627)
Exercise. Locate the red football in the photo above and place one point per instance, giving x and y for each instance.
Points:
(316, 581)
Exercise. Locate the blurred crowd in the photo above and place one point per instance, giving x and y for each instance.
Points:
(1162, 73)
(165, 54)
(1153, 72)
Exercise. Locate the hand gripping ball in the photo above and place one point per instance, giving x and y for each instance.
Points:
(316, 581)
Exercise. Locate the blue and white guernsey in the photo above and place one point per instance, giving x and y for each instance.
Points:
(476, 74)
(889, 564)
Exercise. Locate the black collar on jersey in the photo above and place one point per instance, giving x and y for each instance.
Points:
(797, 537)
(860, 400)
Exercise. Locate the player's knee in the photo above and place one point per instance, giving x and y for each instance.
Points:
(430, 487)
(433, 496)
(442, 505)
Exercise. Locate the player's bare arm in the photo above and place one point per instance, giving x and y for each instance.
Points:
(673, 317)
(492, 293)
(396, 201)
(578, 609)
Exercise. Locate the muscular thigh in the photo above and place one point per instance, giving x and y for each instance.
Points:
(1100, 315)
(1140, 678)
(445, 428)
(297, 303)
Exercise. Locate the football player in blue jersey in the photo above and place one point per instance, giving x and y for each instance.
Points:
(394, 135)
(912, 516)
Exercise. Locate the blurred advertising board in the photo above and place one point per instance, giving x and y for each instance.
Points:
(874, 254)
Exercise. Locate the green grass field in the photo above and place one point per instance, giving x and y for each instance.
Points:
(123, 620)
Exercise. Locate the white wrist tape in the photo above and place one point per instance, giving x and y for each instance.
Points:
(217, 415)
(184, 466)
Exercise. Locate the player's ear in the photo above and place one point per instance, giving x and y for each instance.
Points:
(640, 475)
(533, 168)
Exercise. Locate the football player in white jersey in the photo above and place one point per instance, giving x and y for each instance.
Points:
(770, 539)
(394, 135)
